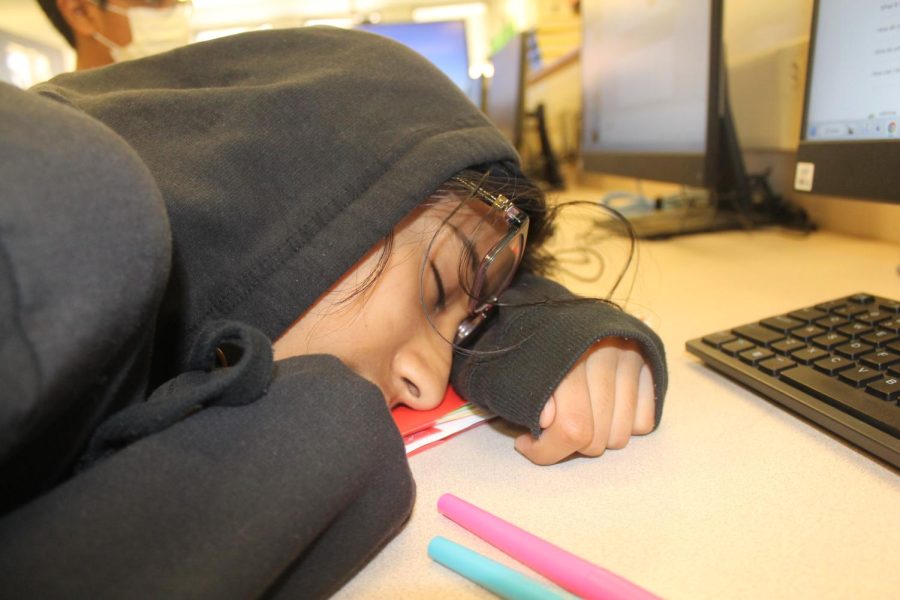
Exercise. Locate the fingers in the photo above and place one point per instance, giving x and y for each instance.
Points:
(625, 392)
(548, 414)
(572, 427)
(645, 413)
(606, 398)
(600, 372)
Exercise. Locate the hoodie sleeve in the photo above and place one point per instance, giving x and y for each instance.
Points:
(531, 345)
(289, 495)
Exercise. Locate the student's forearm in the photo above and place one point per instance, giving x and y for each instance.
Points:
(530, 349)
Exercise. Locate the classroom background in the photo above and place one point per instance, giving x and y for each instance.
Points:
(734, 496)
(766, 45)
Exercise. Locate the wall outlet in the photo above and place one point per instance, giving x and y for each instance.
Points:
(804, 174)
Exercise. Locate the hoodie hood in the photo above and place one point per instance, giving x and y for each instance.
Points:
(283, 157)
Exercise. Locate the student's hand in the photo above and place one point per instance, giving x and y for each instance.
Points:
(605, 399)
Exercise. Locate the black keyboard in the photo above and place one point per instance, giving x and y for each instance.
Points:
(836, 363)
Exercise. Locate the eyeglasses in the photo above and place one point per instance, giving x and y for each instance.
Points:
(498, 266)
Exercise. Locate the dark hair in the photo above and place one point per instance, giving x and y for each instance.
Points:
(497, 179)
(51, 9)
(507, 180)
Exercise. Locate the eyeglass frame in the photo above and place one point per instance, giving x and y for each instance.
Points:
(517, 220)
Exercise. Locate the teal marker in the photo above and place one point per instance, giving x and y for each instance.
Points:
(489, 574)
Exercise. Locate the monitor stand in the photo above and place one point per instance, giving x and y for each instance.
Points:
(545, 168)
(735, 200)
(697, 214)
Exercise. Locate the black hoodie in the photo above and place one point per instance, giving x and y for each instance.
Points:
(282, 157)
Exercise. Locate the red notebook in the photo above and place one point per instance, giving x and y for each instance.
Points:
(423, 429)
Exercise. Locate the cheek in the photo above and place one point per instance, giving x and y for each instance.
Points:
(395, 312)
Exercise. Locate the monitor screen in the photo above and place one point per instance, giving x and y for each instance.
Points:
(441, 42)
(850, 143)
(650, 83)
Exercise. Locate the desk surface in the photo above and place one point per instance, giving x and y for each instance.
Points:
(732, 497)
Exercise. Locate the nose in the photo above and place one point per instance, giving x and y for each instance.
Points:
(421, 370)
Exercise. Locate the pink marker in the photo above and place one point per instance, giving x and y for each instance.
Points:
(571, 572)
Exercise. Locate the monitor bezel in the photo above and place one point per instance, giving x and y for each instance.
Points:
(853, 169)
(517, 45)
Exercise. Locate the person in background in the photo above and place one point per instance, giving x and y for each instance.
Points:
(107, 31)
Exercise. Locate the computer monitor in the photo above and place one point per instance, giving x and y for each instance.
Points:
(441, 42)
(505, 94)
(850, 141)
(655, 107)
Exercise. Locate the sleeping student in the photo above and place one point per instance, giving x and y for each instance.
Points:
(222, 266)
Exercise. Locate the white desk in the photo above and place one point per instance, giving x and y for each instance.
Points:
(732, 497)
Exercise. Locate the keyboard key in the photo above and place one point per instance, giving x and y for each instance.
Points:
(758, 334)
(736, 347)
(808, 332)
(891, 325)
(889, 306)
(717, 339)
(829, 306)
(857, 402)
(776, 365)
(859, 376)
(808, 355)
(861, 298)
(784, 323)
(832, 322)
(880, 359)
(854, 349)
(788, 345)
(849, 311)
(880, 337)
(886, 389)
(873, 317)
(833, 365)
(830, 340)
(855, 329)
(807, 315)
(755, 355)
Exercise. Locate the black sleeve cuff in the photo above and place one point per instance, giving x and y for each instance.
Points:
(529, 347)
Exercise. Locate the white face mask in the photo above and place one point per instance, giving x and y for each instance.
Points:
(153, 30)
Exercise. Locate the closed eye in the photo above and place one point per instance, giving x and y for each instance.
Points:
(439, 283)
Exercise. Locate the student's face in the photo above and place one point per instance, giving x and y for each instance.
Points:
(383, 333)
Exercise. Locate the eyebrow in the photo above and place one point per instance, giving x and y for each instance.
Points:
(469, 246)
(442, 298)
